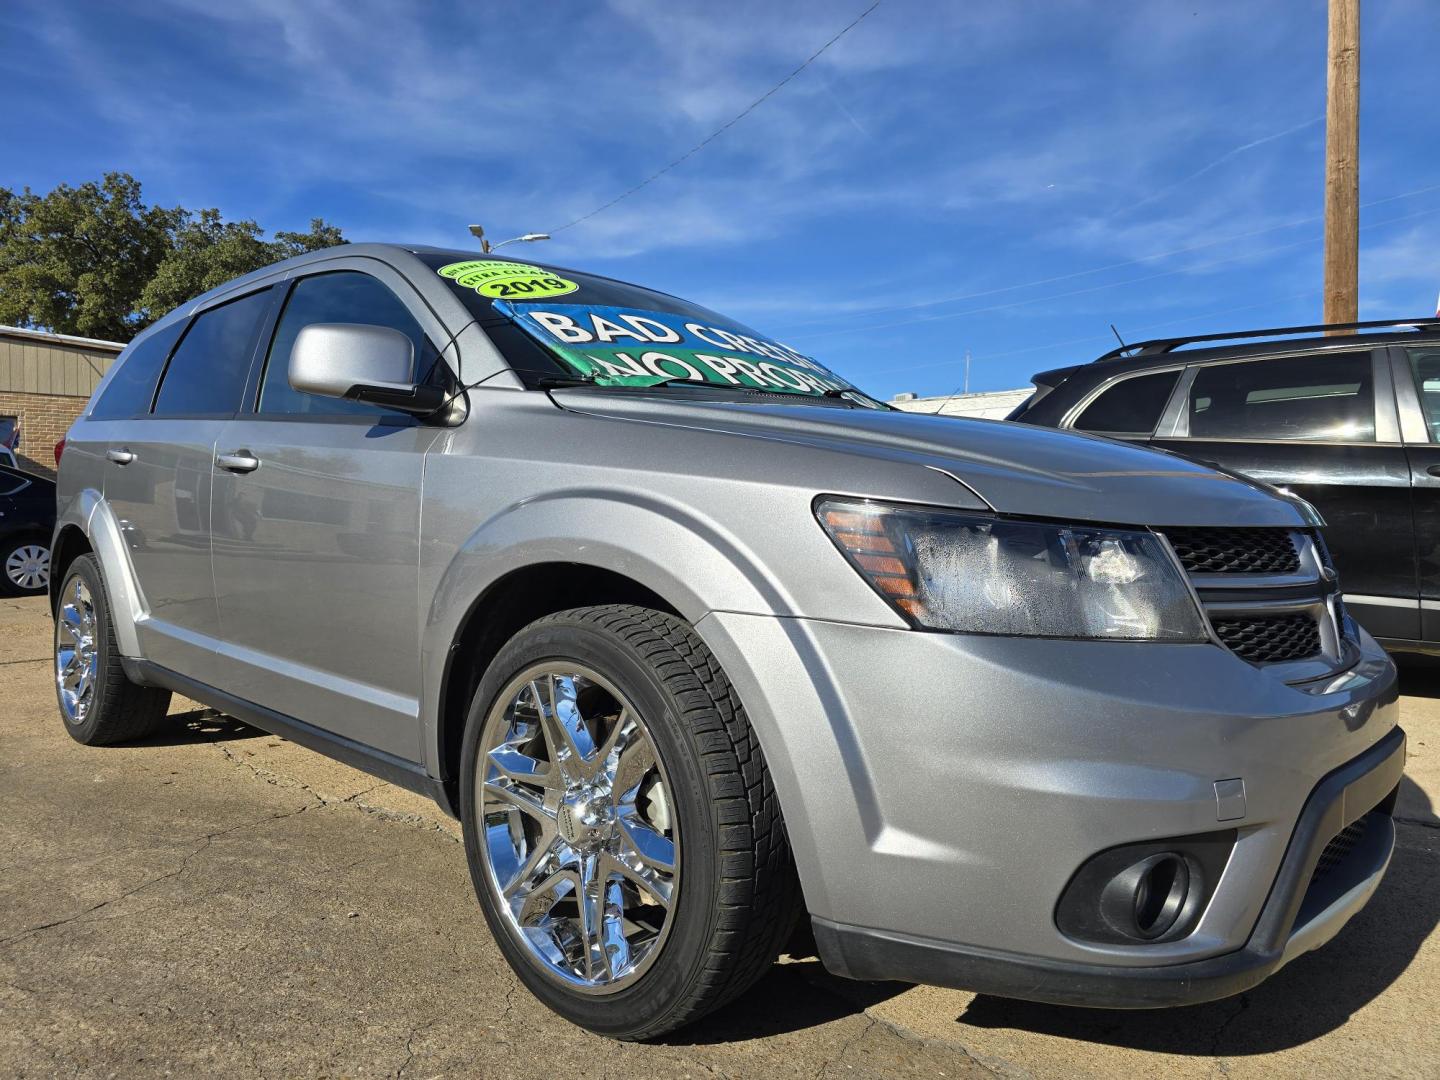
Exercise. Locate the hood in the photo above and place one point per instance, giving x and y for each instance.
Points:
(1014, 468)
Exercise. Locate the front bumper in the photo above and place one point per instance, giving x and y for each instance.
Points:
(940, 791)
(1297, 917)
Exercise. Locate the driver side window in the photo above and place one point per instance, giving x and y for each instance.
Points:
(342, 296)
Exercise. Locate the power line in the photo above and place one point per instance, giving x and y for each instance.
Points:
(1099, 288)
(723, 127)
(1115, 265)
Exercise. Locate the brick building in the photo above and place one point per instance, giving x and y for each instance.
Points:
(45, 380)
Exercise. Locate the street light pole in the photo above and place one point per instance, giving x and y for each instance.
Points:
(478, 231)
(1342, 165)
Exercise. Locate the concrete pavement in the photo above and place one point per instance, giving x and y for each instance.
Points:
(219, 901)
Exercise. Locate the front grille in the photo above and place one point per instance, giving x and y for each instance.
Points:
(1339, 847)
(1235, 551)
(1263, 640)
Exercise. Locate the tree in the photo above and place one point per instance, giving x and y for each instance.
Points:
(96, 261)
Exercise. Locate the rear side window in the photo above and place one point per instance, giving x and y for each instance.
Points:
(133, 386)
(346, 296)
(11, 481)
(206, 376)
(1426, 365)
(1321, 396)
(1130, 407)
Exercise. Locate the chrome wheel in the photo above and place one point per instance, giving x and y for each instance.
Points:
(28, 567)
(578, 834)
(76, 652)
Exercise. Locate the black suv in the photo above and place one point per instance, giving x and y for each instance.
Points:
(1349, 421)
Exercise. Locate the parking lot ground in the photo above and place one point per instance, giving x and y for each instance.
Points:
(220, 902)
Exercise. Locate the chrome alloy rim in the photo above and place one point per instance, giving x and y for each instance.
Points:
(581, 846)
(76, 655)
(28, 567)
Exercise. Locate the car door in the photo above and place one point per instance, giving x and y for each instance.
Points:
(317, 528)
(1323, 425)
(1416, 373)
(157, 480)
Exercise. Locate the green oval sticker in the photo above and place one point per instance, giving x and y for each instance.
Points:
(507, 280)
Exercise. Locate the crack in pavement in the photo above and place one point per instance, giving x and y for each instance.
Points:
(1243, 1001)
(281, 780)
(200, 845)
(1421, 822)
(410, 1046)
(848, 1045)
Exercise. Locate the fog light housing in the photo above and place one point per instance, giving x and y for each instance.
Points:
(1143, 893)
(1148, 897)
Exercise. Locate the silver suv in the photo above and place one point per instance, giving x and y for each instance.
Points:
(699, 641)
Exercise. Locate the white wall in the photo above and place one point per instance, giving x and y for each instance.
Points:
(994, 405)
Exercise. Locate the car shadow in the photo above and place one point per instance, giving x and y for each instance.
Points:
(1310, 997)
(201, 725)
(791, 997)
(1419, 675)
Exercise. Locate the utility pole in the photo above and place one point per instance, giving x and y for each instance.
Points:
(1342, 165)
(967, 371)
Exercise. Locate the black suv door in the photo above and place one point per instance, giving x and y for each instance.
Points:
(1324, 426)
(1416, 372)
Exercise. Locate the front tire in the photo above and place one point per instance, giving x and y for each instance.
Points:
(622, 831)
(99, 705)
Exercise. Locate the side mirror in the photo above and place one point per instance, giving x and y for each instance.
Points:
(360, 363)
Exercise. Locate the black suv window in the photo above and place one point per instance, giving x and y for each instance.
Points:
(1130, 407)
(133, 387)
(344, 296)
(1426, 365)
(1321, 396)
(206, 376)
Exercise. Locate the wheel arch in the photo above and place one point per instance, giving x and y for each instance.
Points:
(69, 543)
(506, 606)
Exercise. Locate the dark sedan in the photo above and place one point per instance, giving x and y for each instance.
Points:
(27, 520)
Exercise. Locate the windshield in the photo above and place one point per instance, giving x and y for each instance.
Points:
(550, 322)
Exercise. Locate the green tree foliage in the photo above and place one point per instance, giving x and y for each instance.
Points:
(95, 260)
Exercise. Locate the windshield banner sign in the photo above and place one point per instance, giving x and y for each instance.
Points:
(618, 346)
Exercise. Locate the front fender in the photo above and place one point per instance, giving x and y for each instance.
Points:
(697, 564)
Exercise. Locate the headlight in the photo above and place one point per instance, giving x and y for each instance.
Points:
(987, 575)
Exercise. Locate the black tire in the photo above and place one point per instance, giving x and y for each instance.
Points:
(119, 710)
(8, 547)
(739, 896)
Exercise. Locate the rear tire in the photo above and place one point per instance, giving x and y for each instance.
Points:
(731, 897)
(98, 704)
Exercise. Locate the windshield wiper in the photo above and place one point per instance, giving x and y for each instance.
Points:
(837, 394)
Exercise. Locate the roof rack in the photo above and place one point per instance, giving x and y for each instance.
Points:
(1165, 345)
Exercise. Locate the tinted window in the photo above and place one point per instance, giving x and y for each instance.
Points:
(207, 374)
(133, 387)
(11, 481)
(1426, 365)
(1321, 396)
(1132, 406)
(346, 296)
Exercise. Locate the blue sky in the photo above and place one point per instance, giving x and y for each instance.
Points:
(1003, 177)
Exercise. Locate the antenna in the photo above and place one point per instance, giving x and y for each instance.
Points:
(1118, 338)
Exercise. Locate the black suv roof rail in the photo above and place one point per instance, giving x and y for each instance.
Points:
(1165, 345)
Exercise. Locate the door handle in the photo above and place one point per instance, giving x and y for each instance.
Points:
(239, 461)
(1434, 470)
(122, 456)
